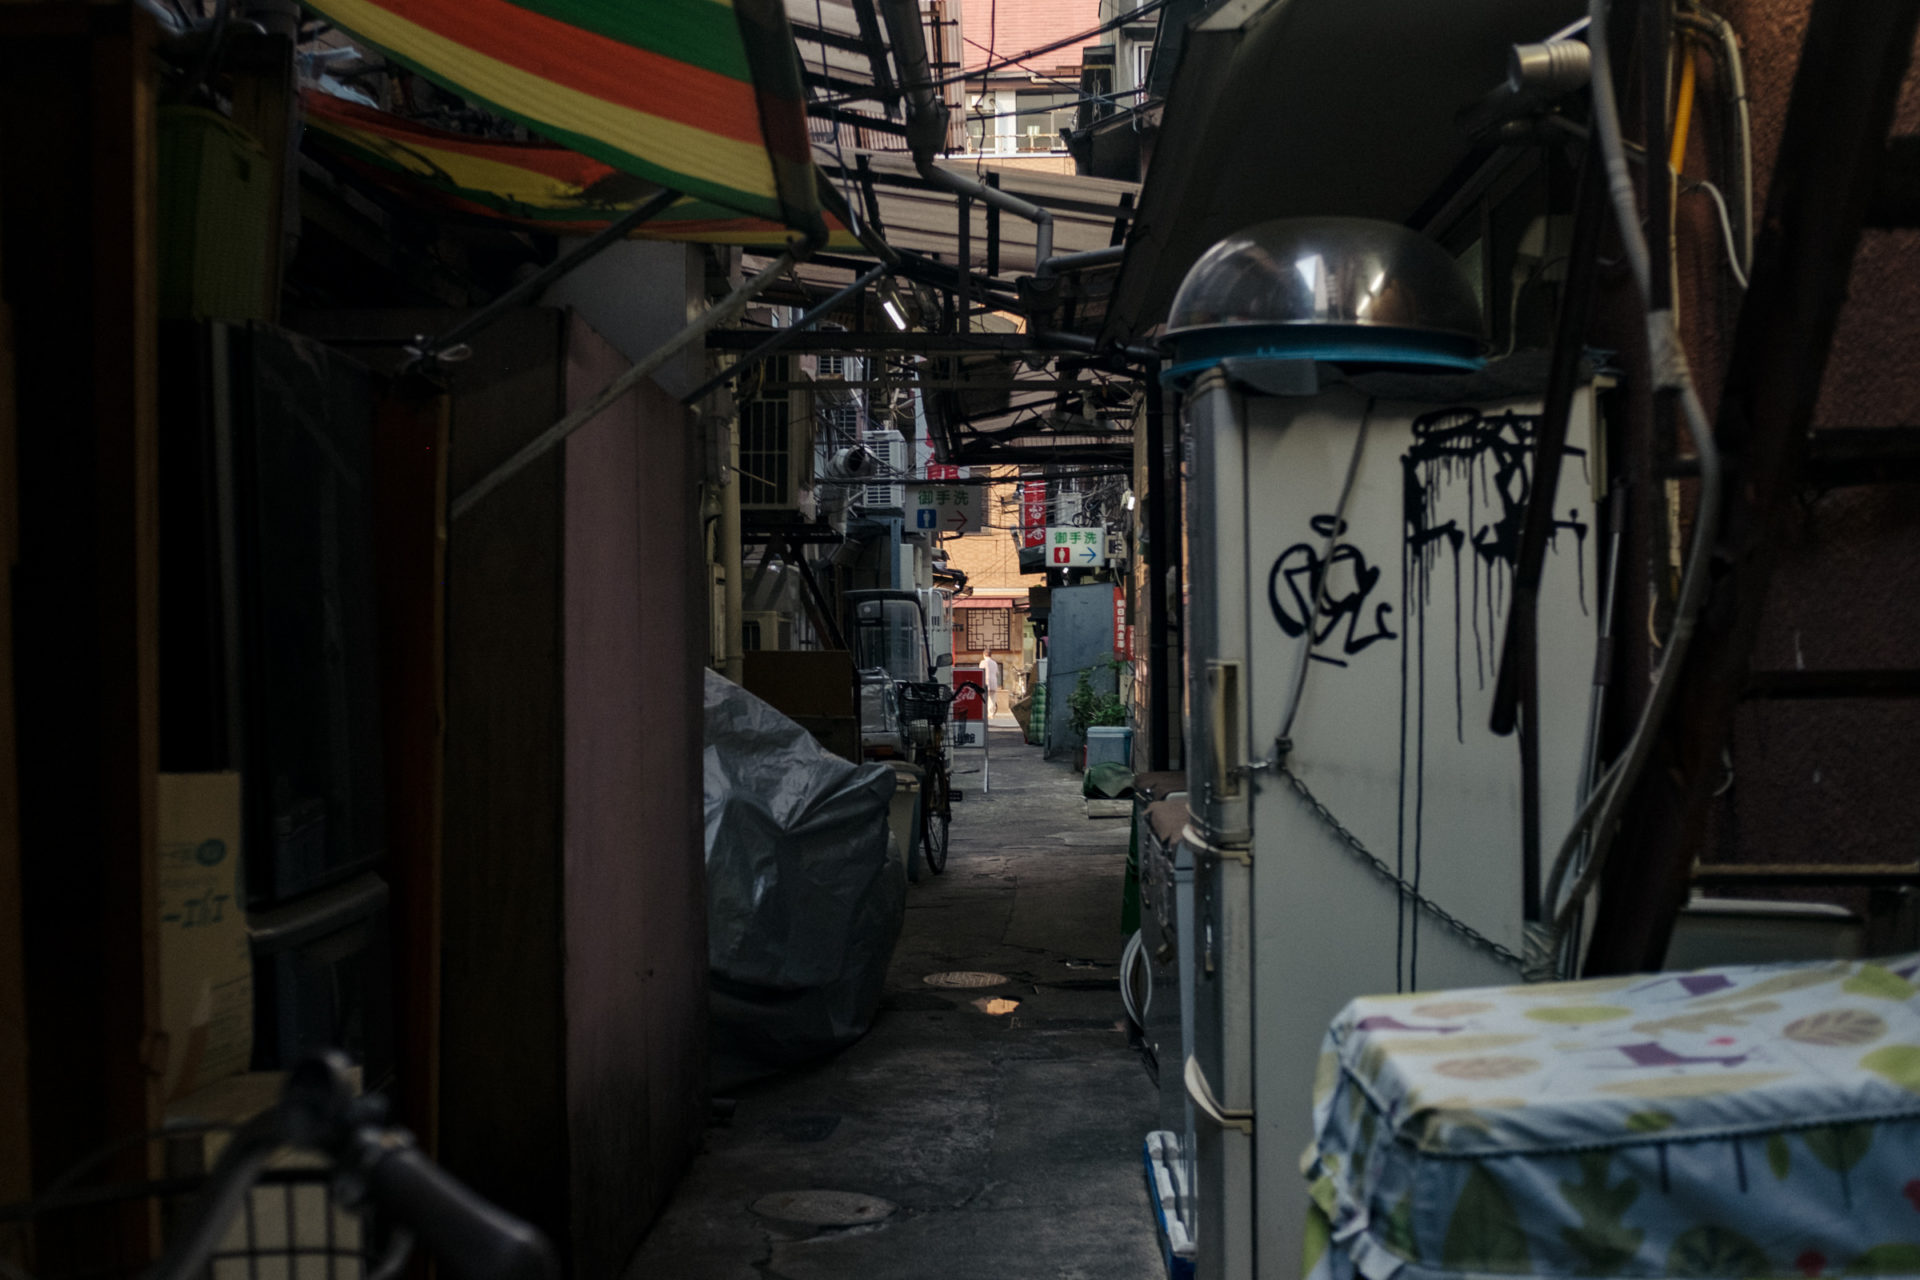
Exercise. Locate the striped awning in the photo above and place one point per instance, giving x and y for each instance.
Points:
(530, 183)
(703, 96)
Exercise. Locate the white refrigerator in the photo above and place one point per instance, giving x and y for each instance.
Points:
(1369, 856)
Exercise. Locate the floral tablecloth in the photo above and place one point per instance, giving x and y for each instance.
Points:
(1758, 1121)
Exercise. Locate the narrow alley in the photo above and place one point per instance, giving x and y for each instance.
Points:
(1009, 1141)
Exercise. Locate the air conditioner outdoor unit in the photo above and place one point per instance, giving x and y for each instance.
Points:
(888, 493)
(766, 629)
(776, 446)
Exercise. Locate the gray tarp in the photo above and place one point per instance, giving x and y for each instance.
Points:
(804, 895)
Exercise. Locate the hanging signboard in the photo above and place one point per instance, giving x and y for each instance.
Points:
(945, 508)
(1071, 548)
(1033, 513)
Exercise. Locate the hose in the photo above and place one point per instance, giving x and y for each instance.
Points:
(1602, 812)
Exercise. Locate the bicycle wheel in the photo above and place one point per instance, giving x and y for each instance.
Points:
(936, 815)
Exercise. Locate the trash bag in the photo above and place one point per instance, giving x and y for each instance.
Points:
(805, 893)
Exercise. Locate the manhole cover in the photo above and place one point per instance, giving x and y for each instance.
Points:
(823, 1208)
(965, 978)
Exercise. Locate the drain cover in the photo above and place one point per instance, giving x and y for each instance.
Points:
(965, 978)
(824, 1208)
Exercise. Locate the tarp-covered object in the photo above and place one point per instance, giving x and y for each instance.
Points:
(805, 896)
(1744, 1121)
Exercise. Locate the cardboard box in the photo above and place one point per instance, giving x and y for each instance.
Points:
(206, 967)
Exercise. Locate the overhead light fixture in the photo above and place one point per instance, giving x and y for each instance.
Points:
(1127, 501)
(891, 304)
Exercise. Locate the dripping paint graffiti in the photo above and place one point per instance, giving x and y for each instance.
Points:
(1465, 486)
(1343, 583)
(1465, 489)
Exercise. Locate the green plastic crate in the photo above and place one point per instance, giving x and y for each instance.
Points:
(215, 202)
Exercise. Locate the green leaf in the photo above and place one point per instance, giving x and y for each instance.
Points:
(1899, 1063)
(1715, 1251)
(1898, 1258)
(1602, 1240)
(1650, 1121)
(1839, 1146)
(1779, 1159)
(1872, 980)
(1484, 1233)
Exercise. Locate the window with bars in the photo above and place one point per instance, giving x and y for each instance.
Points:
(766, 459)
(987, 629)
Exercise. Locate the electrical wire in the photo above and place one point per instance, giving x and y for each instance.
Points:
(1603, 809)
(1726, 227)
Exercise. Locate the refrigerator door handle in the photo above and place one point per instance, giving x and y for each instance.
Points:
(1202, 1094)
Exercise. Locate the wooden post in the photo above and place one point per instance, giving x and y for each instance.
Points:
(410, 531)
(77, 114)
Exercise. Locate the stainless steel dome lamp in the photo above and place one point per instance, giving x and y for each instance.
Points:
(1335, 289)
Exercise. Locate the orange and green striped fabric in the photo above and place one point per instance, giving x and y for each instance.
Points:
(529, 183)
(703, 96)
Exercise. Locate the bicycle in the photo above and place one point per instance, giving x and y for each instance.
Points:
(389, 1190)
(929, 702)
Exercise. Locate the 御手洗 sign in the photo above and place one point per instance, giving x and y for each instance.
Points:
(1071, 548)
(945, 508)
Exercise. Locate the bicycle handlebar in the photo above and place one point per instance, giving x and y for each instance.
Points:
(472, 1238)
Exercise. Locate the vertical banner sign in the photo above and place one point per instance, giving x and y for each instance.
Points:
(1121, 648)
(1033, 513)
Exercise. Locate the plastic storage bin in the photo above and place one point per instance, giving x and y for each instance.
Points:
(1109, 745)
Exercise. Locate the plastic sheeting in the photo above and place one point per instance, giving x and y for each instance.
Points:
(805, 895)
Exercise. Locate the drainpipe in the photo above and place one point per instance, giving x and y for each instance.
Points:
(733, 661)
(927, 127)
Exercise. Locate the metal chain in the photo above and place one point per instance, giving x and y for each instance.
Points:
(1466, 932)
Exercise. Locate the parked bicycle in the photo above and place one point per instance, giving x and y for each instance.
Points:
(355, 1213)
(930, 703)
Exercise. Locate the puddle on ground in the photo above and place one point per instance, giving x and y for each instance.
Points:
(998, 1006)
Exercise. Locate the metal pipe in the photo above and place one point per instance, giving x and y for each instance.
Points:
(733, 662)
(927, 119)
(721, 312)
(1085, 259)
(553, 271)
(782, 337)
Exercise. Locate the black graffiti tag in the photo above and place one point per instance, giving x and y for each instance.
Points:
(1299, 575)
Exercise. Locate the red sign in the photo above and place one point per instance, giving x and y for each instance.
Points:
(939, 471)
(1033, 513)
(1121, 647)
(1063, 555)
(967, 703)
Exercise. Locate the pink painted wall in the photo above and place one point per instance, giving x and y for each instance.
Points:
(635, 904)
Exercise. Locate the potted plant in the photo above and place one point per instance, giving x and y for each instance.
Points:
(1088, 708)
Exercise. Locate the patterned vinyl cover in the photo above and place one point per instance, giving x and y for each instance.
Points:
(1756, 1121)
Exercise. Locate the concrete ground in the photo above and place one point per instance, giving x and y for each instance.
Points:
(1010, 1141)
